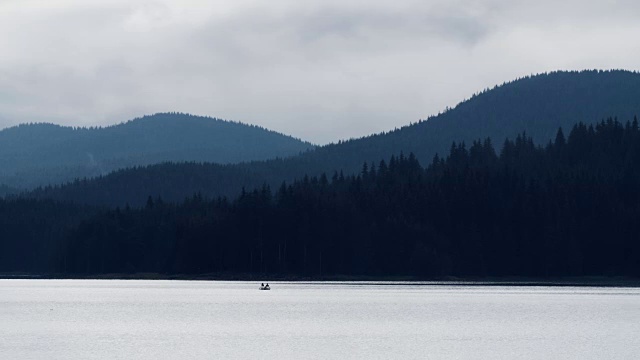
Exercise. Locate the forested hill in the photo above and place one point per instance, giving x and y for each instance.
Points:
(537, 105)
(570, 208)
(6, 190)
(40, 154)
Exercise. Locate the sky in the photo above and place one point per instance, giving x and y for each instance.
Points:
(318, 70)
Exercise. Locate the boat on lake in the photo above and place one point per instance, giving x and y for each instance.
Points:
(265, 287)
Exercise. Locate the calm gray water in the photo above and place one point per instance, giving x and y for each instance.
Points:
(100, 319)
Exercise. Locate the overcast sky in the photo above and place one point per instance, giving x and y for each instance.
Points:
(319, 70)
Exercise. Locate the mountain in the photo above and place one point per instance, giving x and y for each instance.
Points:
(39, 154)
(537, 105)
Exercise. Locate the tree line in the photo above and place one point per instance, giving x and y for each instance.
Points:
(569, 208)
(538, 104)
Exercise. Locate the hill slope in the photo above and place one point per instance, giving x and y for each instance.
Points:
(537, 105)
(38, 154)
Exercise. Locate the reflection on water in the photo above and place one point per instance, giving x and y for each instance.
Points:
(125, 319)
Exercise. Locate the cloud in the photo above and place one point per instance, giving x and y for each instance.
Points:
(320, 70)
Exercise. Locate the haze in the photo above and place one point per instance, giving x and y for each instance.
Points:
(318, 70)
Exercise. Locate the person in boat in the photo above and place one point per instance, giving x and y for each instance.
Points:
(262, 285)
(267, 287)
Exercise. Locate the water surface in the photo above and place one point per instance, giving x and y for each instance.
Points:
(128, 319)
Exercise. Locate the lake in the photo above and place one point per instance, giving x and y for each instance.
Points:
(130, 319)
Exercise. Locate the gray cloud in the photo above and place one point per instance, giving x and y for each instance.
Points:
(320, 70)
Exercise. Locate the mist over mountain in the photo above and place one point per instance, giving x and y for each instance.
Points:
(6, 190)
(41, 154)
(536, 105)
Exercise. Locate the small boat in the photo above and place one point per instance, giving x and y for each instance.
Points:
(266, 287)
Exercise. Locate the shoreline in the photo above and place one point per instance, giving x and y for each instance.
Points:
(587, 281)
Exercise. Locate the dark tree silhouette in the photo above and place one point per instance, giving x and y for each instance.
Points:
(569, 208)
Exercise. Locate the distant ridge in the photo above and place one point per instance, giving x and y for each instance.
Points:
(39, 154)
(537, 105)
